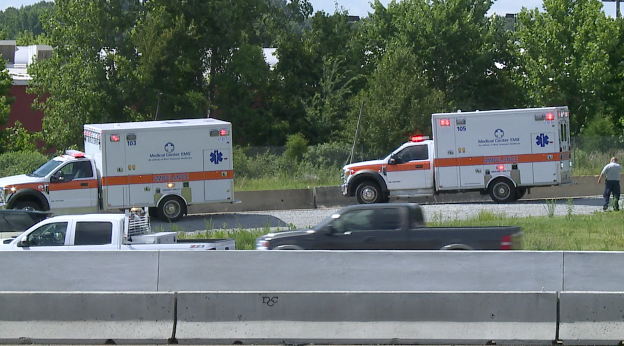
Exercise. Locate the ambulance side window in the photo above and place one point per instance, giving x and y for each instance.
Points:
(413, 153)
(77, 170)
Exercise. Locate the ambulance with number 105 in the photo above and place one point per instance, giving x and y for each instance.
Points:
(164, 165)
(503, 153)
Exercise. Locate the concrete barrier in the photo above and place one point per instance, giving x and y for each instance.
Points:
(261, 200)
(593, 271)
(367, 318)
(79, 271)
(360, 271)
(55, 317)
(331, 197)
(591, 318)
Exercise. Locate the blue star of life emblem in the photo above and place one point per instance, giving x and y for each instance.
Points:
(499, 133)
(169, 147)
(541, 140)
(216, 157)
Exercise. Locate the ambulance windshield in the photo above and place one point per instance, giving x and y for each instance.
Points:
(45, 169)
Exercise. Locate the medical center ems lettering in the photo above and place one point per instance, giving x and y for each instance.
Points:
(499, 139)
(170, 154)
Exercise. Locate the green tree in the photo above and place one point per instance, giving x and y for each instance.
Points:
(462, 52)
(5, 99)
(564, 58)
(397, 103)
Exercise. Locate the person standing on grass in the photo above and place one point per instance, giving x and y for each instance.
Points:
(611, 172)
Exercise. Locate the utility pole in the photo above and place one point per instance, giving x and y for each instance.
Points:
(617, 7)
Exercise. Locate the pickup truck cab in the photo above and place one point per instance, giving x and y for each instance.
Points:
(104, 232)
(395, 226)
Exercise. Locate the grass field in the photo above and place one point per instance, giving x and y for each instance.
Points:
(594, 232)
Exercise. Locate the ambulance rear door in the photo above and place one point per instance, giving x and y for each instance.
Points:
(218, 166)
(545, 157)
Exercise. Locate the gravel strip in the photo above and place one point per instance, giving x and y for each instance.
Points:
(441, 212)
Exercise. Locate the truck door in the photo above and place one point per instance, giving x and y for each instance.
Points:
(411, 169)
(366, 229)
(446, 165)
(217, 179)
(53, 236)
(115, 183)
(545, 157)
(74, 188)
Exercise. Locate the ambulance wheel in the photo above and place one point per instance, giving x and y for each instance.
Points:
(171, 209)
(502, 191)
(368, 192)
(28, 205)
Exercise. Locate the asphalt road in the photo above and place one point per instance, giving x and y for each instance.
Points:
(284, 219)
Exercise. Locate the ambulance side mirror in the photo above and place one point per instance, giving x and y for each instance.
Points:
(392, 160)
(58, 177)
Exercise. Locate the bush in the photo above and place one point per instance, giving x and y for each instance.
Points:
(296, 147)
(20, 162)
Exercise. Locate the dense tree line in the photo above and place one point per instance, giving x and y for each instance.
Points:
(124, 60)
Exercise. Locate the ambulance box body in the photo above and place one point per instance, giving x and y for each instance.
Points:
(140, 164)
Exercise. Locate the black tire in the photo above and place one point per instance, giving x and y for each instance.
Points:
(369, 192)
(28, 205)
(171, 209)
(502, 191)
(520, 192)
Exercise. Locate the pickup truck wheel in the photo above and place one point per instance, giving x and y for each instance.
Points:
(502, 191)
(28, 205)
(368, 192)
(171, 209)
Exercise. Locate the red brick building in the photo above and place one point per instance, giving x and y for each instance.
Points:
(17, 60)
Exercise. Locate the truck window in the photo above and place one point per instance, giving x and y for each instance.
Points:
(51, 234)
(413, 153)
(77, 170)
(368, 220)
(353, 221)
(386, 219)
(93, 233)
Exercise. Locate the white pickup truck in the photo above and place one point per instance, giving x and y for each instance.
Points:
(105, 232)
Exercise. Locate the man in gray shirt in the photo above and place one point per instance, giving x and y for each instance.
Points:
(611, 172)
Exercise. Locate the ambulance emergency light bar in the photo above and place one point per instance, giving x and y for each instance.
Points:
(418, 138)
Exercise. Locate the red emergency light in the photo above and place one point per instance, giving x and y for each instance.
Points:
(550, 116)
(445, 122)
(418, 138)
(223, 132)
(114, 138)
(500, 167)
(75, 153)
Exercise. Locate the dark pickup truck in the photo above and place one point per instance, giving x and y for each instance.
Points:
(396, 226)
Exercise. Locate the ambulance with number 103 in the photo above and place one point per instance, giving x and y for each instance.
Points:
(164, 165)
(503, 153)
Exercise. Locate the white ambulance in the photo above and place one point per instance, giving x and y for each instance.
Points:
(502, 153)
(166, 165)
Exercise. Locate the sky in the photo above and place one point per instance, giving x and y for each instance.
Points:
(362, 7)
